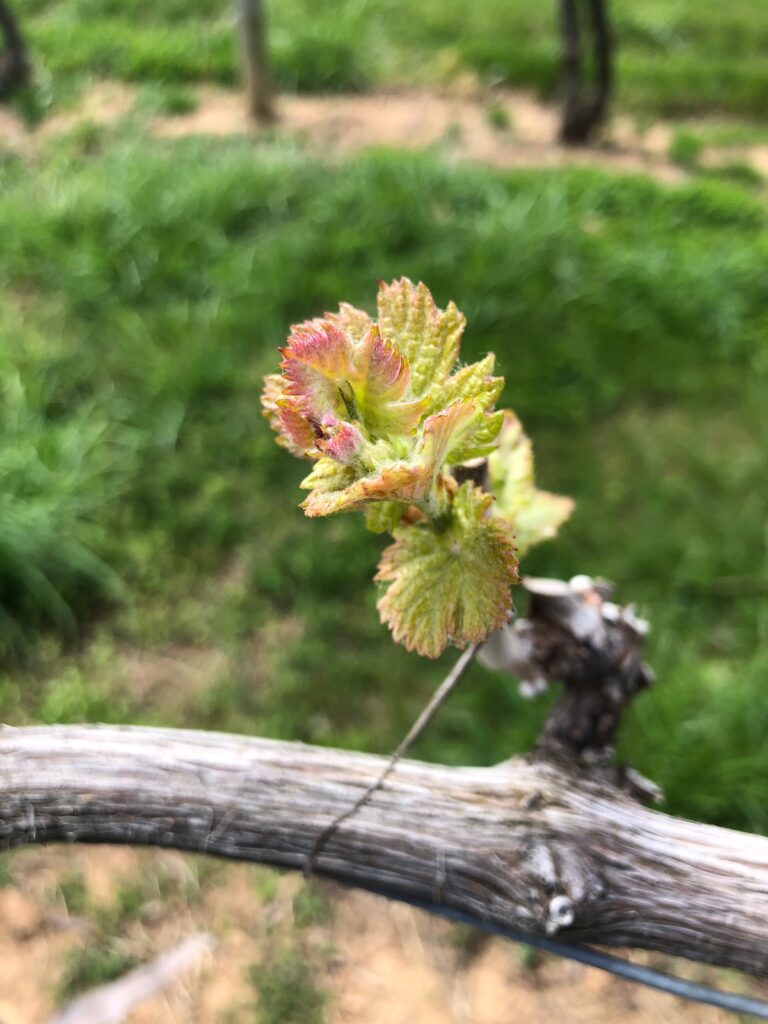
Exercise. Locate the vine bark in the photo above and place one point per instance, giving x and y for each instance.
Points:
(14, 65)
(585, 103)
(529, 844)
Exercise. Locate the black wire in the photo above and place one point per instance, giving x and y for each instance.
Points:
(593, 958)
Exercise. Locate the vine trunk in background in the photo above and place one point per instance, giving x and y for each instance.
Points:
(397, 428)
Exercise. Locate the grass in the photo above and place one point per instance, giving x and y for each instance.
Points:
(105, 954)
(673, 59)
(74, 892)
(738, 172)
(311, 906)
(686, 149)
(87, 967)
(147, 287)
(287, 987)
(6, 873)
(118, 926)
(167, 99)
(59, 470)
(498, 117)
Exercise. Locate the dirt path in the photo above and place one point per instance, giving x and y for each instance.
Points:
(512, 130)
(506, 129)
(376, 962)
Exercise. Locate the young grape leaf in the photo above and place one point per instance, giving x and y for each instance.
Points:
(428, 337)
(535, 515)
(449, 585)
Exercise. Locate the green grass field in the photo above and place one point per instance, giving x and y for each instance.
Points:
(673, 58)
(145, 507)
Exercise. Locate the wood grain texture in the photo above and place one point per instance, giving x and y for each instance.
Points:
(526, 844)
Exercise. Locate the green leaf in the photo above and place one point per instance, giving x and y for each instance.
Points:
(446, 432)
(384, 516)
(393, 482)
(474, 383)
(540, 519)
(355, 322)
(383, 401)
(453, 585)
(535, 515)
(327, 476)
(481, 442)
(427, 336)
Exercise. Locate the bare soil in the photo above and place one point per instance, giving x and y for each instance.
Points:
(505, 129)
(379, 963)
(460, 126)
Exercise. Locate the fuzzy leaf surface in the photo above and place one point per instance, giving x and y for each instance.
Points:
(293, 433)
(428, 337)
(541, 518)
(473, 383)
(399, 481)
(453, 585)
(535, 515)
(328, 475)
(384, 516)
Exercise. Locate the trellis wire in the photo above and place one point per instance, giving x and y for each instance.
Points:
(669, 983)
(660, 980)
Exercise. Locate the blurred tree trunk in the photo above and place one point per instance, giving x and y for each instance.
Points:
(257, 79)
(14, 66)
(585, 102)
